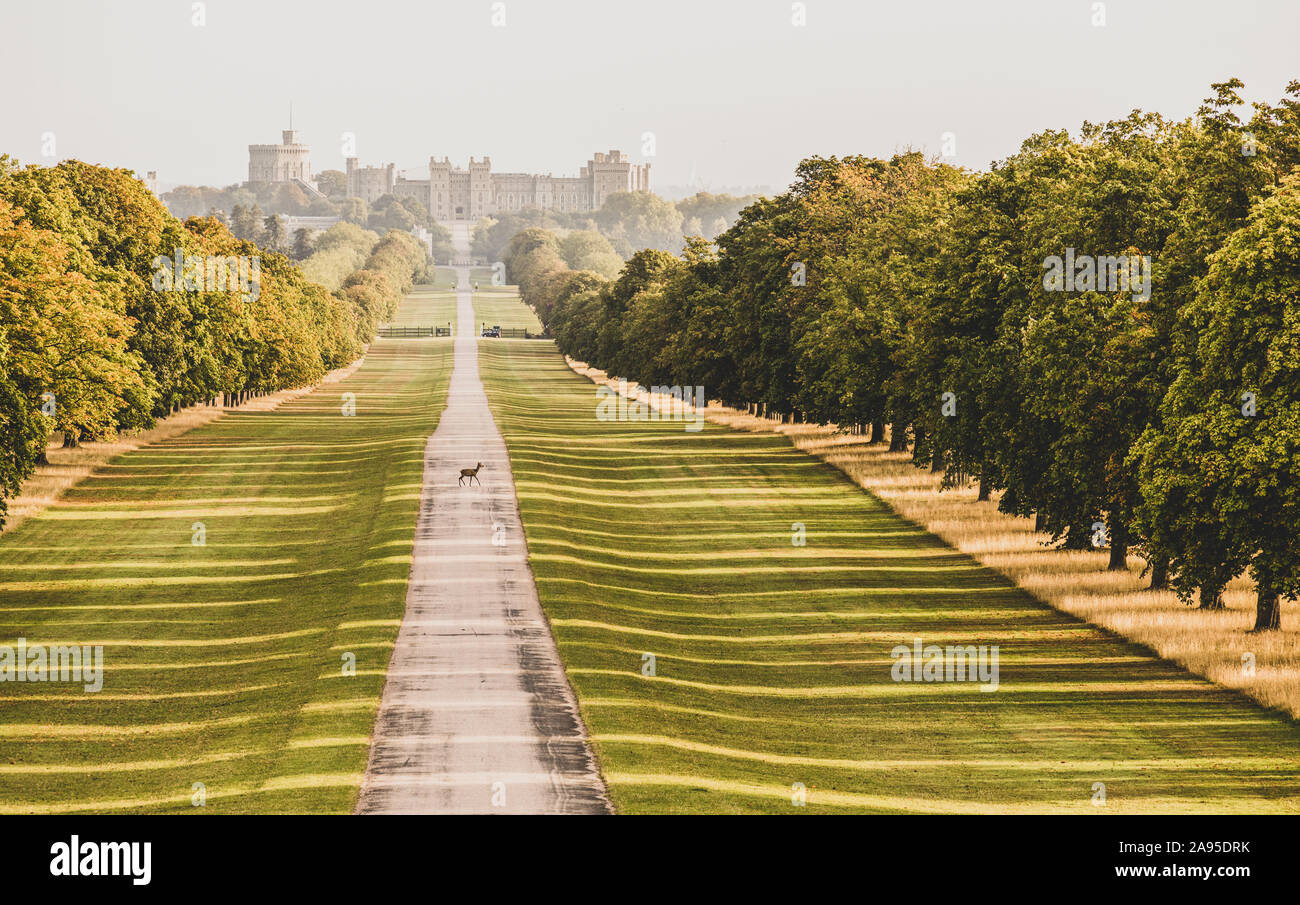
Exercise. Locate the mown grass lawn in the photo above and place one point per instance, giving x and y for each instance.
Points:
(427, 306)
(223, 662)
(500, 306)
(773, 661)
(444, 276)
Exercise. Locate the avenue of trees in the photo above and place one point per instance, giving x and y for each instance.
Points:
(628, 221)
(255, 212)
(911, 295)
(89, 345)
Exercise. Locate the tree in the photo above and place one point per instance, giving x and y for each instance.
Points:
(273, 236)
(637, 220)
(1232, 416)
(289, 198)
(247, 223)
(584, 249)
(443, 249)
(64, 360)
(388, 212)
(333, 183)
(339, 251)
(353, 210)
(302, 244)
(554, 296)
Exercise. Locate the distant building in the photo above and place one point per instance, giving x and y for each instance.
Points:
(451, 193)
(368, 183)
(288, 161)
(292, 223)
(151, 181)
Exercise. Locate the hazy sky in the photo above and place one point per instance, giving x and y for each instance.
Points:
(734, 93)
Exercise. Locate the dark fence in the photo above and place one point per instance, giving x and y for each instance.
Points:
(520, 333)
(409, 332)
(404, 332)
(389, 332)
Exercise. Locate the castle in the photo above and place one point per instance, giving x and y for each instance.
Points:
(452, 193)
(286, 162)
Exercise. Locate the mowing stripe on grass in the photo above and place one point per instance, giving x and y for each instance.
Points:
(499, 306)
(427, 306)
(772, 662)
(223, 662)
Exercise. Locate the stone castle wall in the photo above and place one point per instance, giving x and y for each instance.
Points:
(452, 193)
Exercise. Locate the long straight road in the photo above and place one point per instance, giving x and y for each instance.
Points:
(477, 715)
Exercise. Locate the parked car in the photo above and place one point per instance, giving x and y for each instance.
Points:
(494, 332)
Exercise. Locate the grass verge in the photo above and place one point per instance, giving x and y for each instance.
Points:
(223, 662)
(1216, 644)
(500, 306)
(773, 661)
(427, 306)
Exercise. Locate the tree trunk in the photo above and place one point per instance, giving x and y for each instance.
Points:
(897, 436)
(1118, 547)
(877, 431)
(1211, 598)
(985, 489)
(1118, 556)
(1040, 522)
(71, 440)
(936, 459)
(1159, 573)
(1268, 610)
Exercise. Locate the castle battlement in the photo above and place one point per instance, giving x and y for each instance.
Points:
(453, 193)
(284, 162)
(475, 191)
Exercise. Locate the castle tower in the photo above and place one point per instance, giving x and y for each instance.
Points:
(284, 162)
(609, 173)
(368, 183)
(440, 188)
(480, 188)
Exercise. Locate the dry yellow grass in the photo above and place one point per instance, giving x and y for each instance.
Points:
(1211, 644)
(69, 466)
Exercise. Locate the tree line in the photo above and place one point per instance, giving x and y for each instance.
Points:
(255, 212)
(1104, 328)
(114, 313)
(627, 222)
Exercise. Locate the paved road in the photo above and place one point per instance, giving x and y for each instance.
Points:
(477, 715)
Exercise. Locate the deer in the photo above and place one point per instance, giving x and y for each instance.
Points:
(471, 473)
